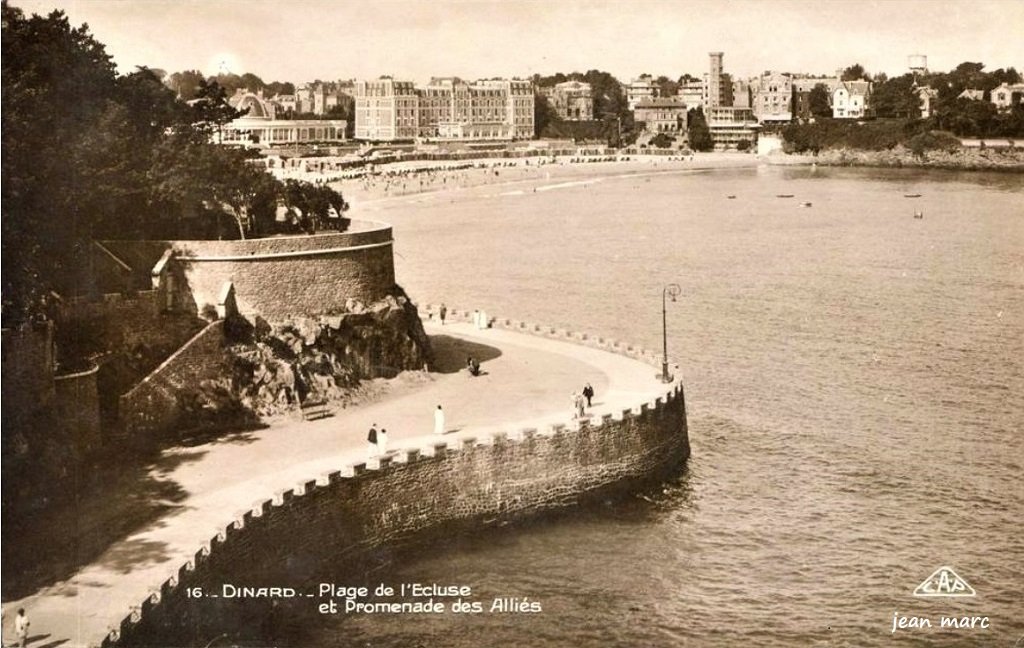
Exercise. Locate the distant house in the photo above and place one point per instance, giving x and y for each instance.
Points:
(773, 98)
(925, 95)
(640, 89)
(1008, 95)
(850, 99)
(973, 95)
(691, 93)
(662, 115)
(572, 100)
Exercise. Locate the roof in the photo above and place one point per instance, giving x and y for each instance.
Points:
(660, 102)
(856, 87)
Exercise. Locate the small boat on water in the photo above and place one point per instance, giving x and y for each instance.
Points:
(911, 195)
(919, 214)
(783, 195)
(806, 204)
(731, 197)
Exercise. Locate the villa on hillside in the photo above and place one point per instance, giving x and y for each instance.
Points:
(572, 100)
(1008, 95)
(850, 99)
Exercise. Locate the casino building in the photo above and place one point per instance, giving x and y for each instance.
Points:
(259, 129)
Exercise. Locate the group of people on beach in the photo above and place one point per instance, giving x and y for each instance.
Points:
(377, 440)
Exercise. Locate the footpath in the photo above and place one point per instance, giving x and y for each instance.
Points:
(527, 381)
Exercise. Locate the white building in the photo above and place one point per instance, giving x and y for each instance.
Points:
(640, 89)
(850, 99)
(259, 128)
(1006, 95)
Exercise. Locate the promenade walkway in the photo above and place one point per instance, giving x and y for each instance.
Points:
(527, 383)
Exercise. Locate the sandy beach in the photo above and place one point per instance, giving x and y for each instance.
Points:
(402, 179)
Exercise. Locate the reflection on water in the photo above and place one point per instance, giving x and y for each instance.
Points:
(855, 388)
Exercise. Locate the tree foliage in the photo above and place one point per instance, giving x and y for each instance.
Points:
(820, 103)
(698, 132)
(855, 72)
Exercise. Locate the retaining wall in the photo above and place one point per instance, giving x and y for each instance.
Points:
(281, 277)
(152, 407)
(463, 483)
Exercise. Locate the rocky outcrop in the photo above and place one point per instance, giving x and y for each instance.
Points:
(964, 159)
(278, 367)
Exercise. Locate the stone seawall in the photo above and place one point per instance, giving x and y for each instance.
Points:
(466, 483)
(280, 277)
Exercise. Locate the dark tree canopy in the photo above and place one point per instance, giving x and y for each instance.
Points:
(698, 131)
(819, 101)
(855, 72)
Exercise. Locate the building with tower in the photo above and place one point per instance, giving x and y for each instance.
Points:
(717, 84)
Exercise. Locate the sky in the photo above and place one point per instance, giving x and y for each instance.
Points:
(303, 40)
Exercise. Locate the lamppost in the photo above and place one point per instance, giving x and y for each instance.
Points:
(670, 290)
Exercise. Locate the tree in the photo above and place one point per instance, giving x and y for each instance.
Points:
(543, 114)
(855, 72)
(186, 84)
(666, 86)
(819, 101)
(897, 97)
(698, 132)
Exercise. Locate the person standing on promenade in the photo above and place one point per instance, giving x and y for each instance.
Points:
(442, 312)
(576, 400)
(382, 441)
(371, 442)
(21, 624)
(588, 393)
(439, 420)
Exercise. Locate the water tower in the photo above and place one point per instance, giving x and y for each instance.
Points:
(918, 63)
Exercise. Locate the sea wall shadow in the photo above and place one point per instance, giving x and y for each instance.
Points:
(450, 353)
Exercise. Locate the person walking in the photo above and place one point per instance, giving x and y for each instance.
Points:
(575, 398)
(442, 312)
(382, 441)
(371, 442)
(439, 420)
(588, 393)
(21, 624)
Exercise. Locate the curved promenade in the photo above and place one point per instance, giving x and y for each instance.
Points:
(527, 385)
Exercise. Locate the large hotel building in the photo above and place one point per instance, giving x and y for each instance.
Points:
(445, 109)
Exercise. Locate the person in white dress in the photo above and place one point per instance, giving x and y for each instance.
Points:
(382, 441)
(439, 420)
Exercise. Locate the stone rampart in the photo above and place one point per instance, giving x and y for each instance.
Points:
(281, 277)
(461, 483)
(153, 406)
